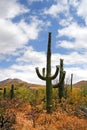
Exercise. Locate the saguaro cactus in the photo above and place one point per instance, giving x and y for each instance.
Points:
(4, 93)
(48, 77)
(71, 81)
(12, 91)
(61, 87)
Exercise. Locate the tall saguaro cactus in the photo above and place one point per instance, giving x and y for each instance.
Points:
(48, 77)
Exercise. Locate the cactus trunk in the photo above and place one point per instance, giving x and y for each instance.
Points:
(48, 77)
(61, 88)
(4, 94)
(71, 81)
(12, 92)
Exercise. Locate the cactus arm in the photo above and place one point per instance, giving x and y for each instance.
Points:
(56, 73)
(59, 83)
(39, 75)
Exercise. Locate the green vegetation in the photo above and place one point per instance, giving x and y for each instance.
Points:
(77, 97)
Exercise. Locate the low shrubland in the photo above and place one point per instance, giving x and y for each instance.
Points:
(67, 114)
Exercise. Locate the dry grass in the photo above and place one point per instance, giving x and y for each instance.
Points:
(40, 120)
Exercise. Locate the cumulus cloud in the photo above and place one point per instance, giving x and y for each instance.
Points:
(58, 7)
(11, 37)
(11, 8)
(82, 9)
(33, 57)
(76, 32)
(15, 36)
(26, 71)
(14, 39)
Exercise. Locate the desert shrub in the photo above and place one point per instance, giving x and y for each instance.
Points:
(84, 91)
(77, 97)
(33, 96)
(23, 93)
(55, 93)
(38, 96)
(7, 119)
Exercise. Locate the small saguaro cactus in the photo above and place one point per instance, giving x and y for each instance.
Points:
(71, 81)
(48, 77)
(12, 91)
(61, 87)
(4, 93)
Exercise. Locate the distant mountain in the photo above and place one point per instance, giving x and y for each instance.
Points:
(80, 84)
(9, 81)
(18, 82)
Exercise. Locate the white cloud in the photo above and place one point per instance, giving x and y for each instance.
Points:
(73, 63)
(31, 1)
(11, 37)
(31, 30)
(33, 57)
(24, 72)
(74, 3)
(27, 71)
(57, 8)
(71, 59)
(78, 33)
(15, 36)
(11, 8)
(65, 44)
(66, 22)
(78, 74)
(82, 9)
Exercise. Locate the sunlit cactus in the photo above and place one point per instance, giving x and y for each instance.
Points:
(46, 76)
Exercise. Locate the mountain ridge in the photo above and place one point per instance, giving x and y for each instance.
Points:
(17, 81)
(82, 83)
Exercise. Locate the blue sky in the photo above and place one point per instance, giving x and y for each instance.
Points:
(24, 27)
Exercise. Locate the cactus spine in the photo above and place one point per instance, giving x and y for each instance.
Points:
(12, 92)
(48, 77)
